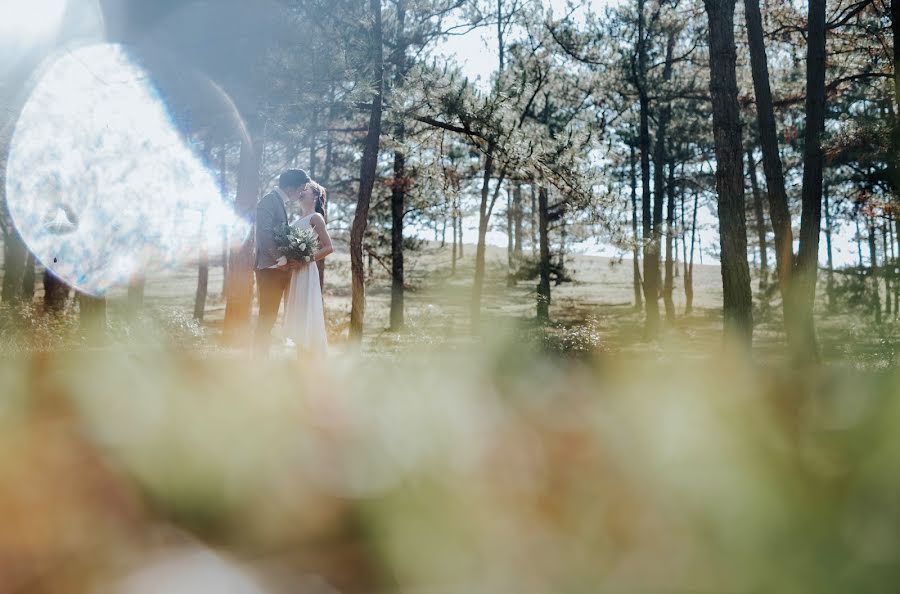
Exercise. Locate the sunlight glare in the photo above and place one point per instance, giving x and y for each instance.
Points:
(29, 21)
(100, 183)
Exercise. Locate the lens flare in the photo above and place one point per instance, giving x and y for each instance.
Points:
(100, 183)
(29, 22)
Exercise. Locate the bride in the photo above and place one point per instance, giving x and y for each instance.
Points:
(304, 315)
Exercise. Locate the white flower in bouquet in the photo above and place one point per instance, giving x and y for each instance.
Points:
(299, 245)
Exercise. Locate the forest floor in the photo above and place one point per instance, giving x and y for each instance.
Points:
(594, 311)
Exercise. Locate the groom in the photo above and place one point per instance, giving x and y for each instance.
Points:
(272, 278)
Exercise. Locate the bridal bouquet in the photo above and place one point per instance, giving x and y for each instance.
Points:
(299, 245)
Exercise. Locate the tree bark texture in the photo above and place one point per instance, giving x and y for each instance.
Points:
(29, 278)
(483, 220)
(202, 282)
(661, 190)
(636, 239)
(737, 306)
(650, 239)
(669, 285)
(367, 173)
(768, 140)
(543, 289)
(873, 262)
(829, 288)
(92, 318)
(56, 293)
(239, 283)
(517, 227)
(136, 285)
(510, 241)
(806, 264)
(14, 256)
(689, 268)
(760, 216)
(398, 204)
(888, 309)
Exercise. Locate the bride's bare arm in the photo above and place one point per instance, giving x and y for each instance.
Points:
(325, 245)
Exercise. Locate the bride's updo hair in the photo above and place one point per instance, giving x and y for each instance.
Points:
(321, 196)
(318, 190)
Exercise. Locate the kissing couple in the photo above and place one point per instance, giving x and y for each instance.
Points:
(288, 257)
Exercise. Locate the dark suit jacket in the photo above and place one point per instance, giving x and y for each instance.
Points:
(270, 216)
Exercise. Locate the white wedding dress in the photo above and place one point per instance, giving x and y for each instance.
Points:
(304, 315)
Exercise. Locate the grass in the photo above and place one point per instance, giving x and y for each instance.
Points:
(594, 311)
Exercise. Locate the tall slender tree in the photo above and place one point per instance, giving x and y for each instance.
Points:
(367, 173)
(648, 230)
(635, 237)
(738, 308)
(803, 299)
(759, 215)
(768, 139)
(399, 182)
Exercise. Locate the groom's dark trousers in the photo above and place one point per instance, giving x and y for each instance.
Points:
(272, 284)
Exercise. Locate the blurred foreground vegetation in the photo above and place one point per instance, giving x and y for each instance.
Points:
(561, 458)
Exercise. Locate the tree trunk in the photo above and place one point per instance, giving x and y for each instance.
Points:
(14, 256)
(543, 289)
(661, 191)
(136, 286)
(760, 222)
(806, 265)
(895, 266)
(561, 271)
(689, 269)
(398, 188)
(828, 230)
(517, 227)
(223, 183)
(239, 284)
(534, 220)
(636, 239)
(772, 167)
(893, 168)
(859, 252)
(325, 180)
(670, 229)
(398, 204)
(484, 215)
(738, 305)
(322, 209)
(56, 293)
(28, 279)
(873, 261)
(887, 277)
(367, 172)
(202, 280)
(650, 240)
(510, 243)
(92, 318)
(455, 216)
(460, 221)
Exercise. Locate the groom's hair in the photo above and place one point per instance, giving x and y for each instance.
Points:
(292, 178)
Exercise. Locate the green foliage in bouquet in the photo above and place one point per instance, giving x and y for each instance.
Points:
(299, 245)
